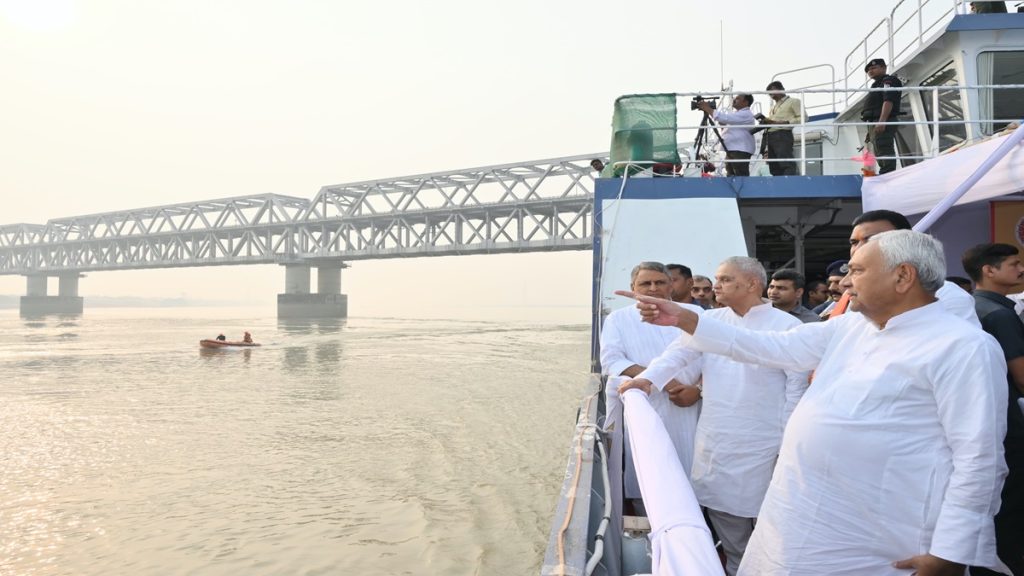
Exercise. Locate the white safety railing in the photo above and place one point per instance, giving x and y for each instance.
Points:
(828, 129)
(906, 28)
(818, 105)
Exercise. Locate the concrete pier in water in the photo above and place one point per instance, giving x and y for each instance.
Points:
(37, 302)
(327, 302)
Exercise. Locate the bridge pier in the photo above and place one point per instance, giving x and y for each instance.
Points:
(298, 302)
(36, 302)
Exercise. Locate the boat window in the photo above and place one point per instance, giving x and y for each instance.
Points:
(950, 107)
(1001, 68)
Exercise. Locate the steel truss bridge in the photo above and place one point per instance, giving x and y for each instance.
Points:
(544, 205)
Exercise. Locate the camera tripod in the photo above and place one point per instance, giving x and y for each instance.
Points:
(702, 135)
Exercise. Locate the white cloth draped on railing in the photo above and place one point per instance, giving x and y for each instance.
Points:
(922, 186)
(680, 540)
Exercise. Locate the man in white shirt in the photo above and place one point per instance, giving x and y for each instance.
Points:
(739, 139)
(627, 346)
(893, 459)
(745, 408)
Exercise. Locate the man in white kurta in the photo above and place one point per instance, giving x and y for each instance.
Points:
(892, 461)
(744, 412)
(627, 346)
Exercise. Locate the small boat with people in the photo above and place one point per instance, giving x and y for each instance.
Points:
(222, 342)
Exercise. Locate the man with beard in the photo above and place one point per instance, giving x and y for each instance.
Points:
(834, 273)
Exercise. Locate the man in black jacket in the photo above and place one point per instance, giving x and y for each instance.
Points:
(996, 270)
(882, 107)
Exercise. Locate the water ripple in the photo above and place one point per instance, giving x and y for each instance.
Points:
(363, 446)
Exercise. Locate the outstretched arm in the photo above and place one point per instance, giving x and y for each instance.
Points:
(800, 348)
(663, 312)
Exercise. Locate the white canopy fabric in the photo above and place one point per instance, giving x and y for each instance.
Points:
(680, 539)
(917, 189)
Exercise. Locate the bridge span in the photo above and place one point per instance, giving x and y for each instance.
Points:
(543, 205)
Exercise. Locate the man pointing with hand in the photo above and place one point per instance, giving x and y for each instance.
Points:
(892, 462)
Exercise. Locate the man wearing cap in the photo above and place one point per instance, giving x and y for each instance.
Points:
(778, 142)
(835, 273)
(882, 107)
(988, 7)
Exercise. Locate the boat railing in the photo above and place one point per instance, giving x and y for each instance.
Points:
(926, 139)
(828, 103)
(907, 27)
(582, 508)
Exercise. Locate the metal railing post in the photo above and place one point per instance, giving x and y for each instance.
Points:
(803, 148)
(892, 60)
(920, 23)
(935, 120)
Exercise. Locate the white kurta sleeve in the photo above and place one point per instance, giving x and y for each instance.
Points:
(971, 394)
(677, 361)
(796, 384)
(957, 301)
(799, 348)
(613, 346)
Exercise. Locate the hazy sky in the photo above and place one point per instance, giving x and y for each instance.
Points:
(109, 105)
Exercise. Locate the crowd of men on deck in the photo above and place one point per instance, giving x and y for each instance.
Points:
(873, 428)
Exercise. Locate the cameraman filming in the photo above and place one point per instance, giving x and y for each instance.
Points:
(738, 140)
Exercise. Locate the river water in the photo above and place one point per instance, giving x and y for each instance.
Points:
(365, 446)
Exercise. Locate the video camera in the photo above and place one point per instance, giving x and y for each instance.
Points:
(694, 104)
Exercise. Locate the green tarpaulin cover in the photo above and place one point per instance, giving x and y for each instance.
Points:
(643, 130)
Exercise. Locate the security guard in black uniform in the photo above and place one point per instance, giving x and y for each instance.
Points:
(882, 107)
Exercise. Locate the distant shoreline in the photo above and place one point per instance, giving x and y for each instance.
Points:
(8, 302)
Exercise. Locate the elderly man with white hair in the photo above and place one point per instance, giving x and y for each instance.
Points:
(745, 408)
(893, 461)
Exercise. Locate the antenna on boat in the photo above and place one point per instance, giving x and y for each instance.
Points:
(721, 55)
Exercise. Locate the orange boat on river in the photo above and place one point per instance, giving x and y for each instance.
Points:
(226, 344)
